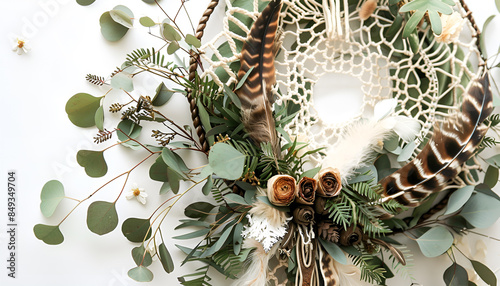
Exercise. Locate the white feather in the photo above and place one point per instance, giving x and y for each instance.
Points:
(256, 272)
(356, 147)
(349, 275)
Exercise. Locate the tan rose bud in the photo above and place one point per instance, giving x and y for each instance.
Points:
(306, 191)
(329, 182)
(452, 27)
(319, 205)
(281, 190)
(367, 9)
(303, 215)
(351, 236)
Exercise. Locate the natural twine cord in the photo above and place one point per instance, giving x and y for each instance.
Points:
(193, 66)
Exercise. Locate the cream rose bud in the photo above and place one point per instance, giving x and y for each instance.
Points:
(281, 190)
(452, 26)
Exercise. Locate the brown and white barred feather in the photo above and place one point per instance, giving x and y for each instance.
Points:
(255, 94)
(445, 153)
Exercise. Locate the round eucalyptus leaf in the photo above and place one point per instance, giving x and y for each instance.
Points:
(491, 176)
(165, 258)
(141, 256)
(193, 41)
(158, 171)
(147, 22)
(121, 18)
(481, 210)
(435, 241)
(102, 217)
(136, 229)
(455, 275)
(458, 199)
(81, 109)
(226, 161)
(99, 118)
(129, 128)
(125, 10)
(52, 194)
(122, 80)
(172, 48)
(85, 2)
(140, 274)
(111, 30)
(170, 33)
(162, 95)
(150, 1)
(93, 162)
(50, 234)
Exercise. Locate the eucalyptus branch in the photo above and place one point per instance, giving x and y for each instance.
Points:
(171, 20)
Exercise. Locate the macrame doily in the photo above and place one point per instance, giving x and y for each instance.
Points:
(320, 40)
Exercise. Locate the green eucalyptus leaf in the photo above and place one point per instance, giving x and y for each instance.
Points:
(121, 17)
(497, 3)
(85, 2)
(122, 80)
(111, 30)
(52, 194)
(207, 188)
(93, 162)
(165, 258)
(173, 180)
(162, 95)
(141, 256)
(194, 234)
(174, 161)
(220, 242)
(193, 41)
(412, 23)
(140, 274)
(491, 176)
(81, 109)
(172, 48)
(407, 152)
(147, 22)
(234, 98)
(334, 250)
(102, 217)
(481, 211)
(435, 241)
(136, 229)
(158, 171)
(458, 199)
(99, 118)
(494, 161)
(205, 120)
(483, 35)
(125, 10)
(198, 210)
(170, 33)
(129, 128)
(150, 1)
(455, 275)
(484, 272)
(226, 161)
(50, 234)
(232, 198)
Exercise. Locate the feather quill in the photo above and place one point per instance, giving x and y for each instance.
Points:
(256, 92)
(448, 149)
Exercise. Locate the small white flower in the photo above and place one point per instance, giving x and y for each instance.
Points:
(139, 193)
(452, 26)
(152, 251)
(20, 46)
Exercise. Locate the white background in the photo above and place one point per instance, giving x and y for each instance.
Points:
(39, 143)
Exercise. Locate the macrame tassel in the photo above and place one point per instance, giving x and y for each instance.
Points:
(333, 19)
(445, 153)
(306, 249)
(256, 272)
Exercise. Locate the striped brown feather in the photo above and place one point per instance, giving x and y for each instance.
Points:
(255, 94)
(448, 149)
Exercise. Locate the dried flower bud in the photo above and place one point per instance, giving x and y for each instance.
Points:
(367, 9)
(320, 205)
(452, 27)
(329, 182)
(281, 190)
(303, 215)
(306, 191)
(351, 236)
(329, 231)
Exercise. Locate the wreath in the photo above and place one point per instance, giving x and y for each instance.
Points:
(292, 197)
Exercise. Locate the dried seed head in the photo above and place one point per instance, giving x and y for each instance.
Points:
(367, 9)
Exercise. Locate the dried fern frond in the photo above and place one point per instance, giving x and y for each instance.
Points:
(102, 136)
(94, 79)
(162, 137)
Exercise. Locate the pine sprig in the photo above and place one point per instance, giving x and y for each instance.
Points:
(94, 79)
(370, 271)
